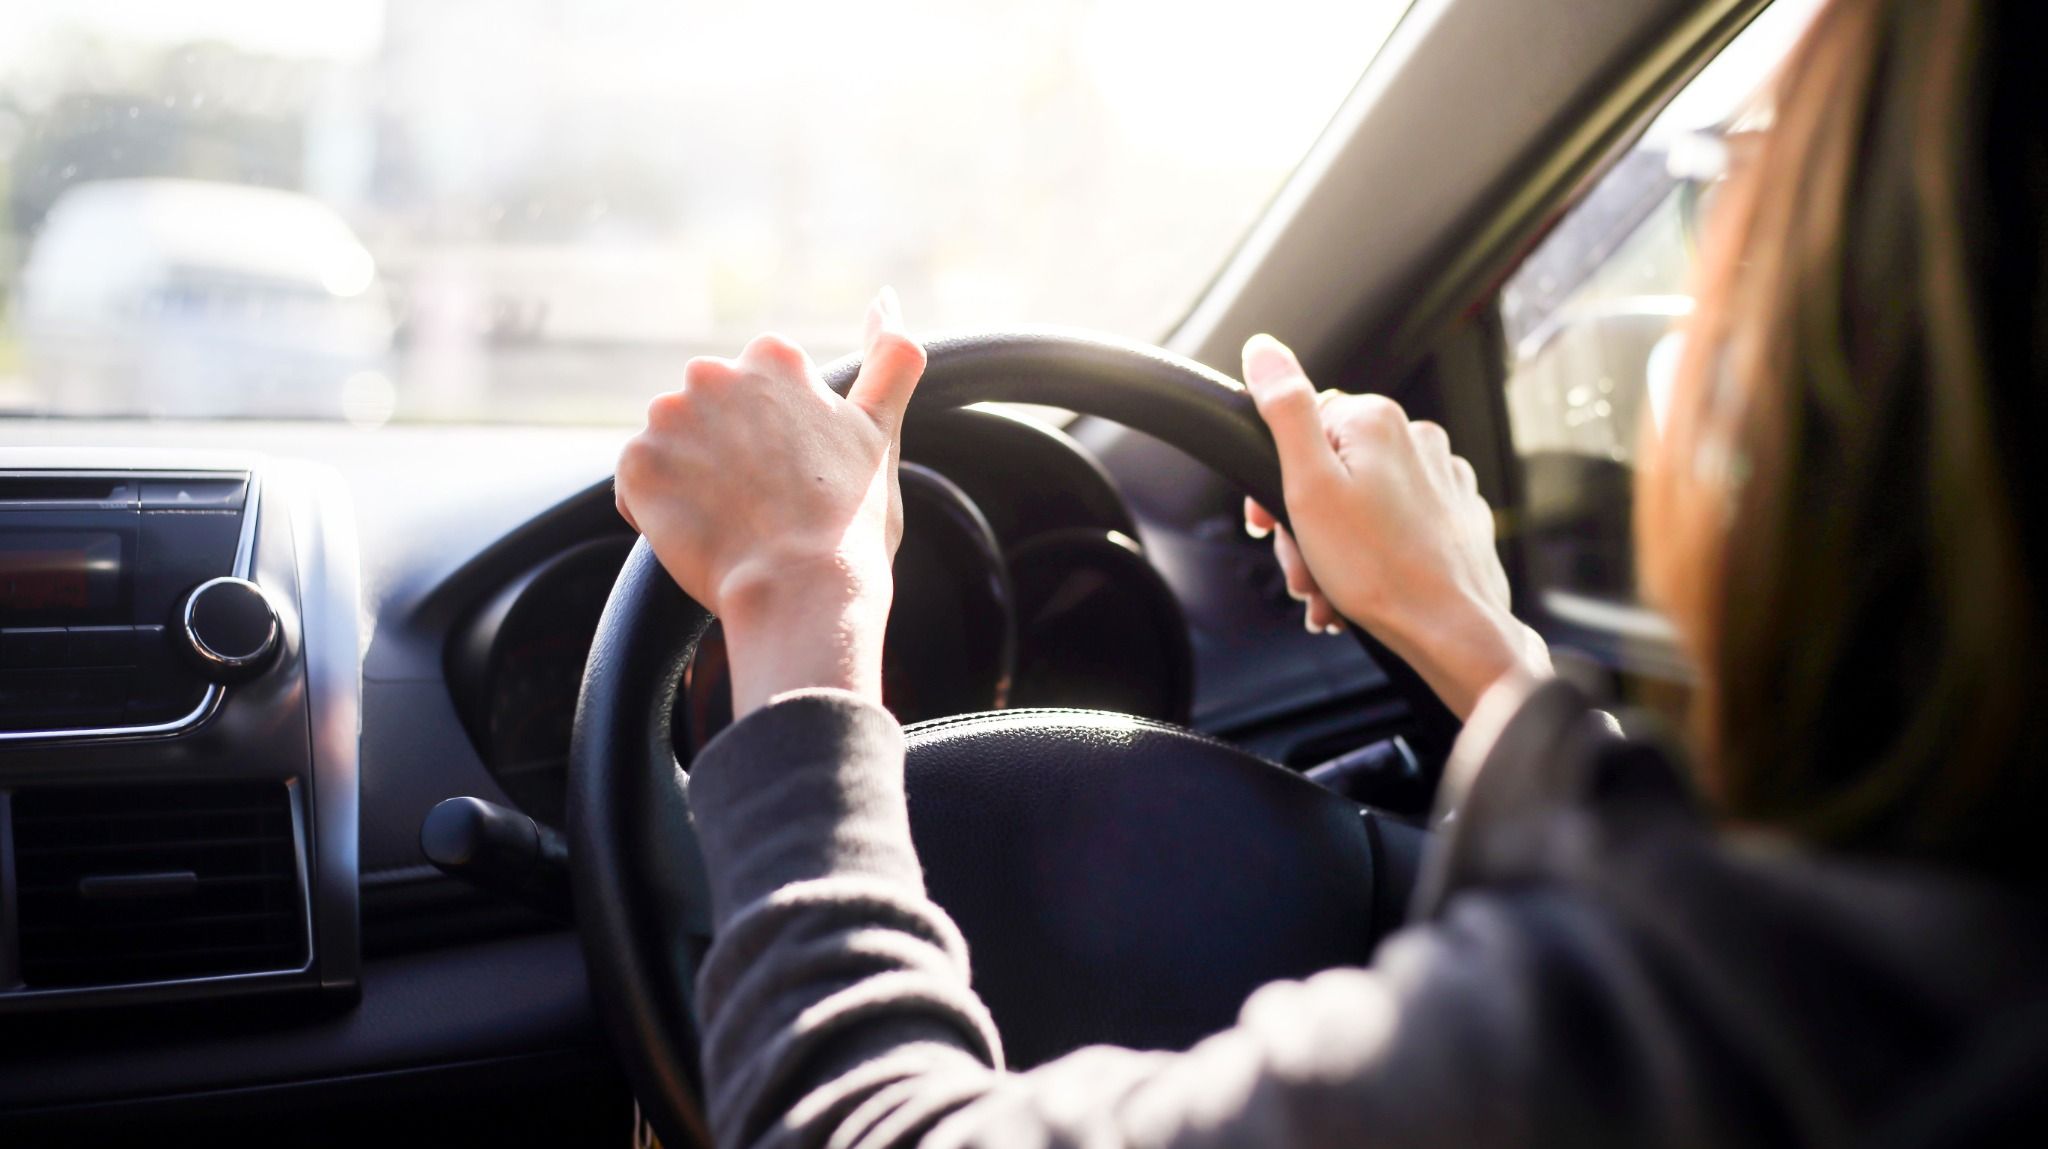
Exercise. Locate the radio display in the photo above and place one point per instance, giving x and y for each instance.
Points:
(59, 576)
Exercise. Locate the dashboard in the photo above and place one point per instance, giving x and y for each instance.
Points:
(425, 611)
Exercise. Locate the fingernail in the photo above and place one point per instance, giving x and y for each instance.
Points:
(1256, 531)
(1308, 624)
(892, 307)
(1335, 628)
(1267, 359)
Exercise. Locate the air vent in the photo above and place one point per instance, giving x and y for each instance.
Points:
(156, 883)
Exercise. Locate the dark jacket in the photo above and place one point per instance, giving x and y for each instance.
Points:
(1588, 963)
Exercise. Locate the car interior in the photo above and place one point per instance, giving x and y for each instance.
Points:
(333, 757)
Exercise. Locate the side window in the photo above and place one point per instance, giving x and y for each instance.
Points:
(1591, 322)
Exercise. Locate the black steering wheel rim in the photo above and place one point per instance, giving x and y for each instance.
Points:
(638, 877)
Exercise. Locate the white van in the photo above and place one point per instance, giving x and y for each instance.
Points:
(181, 297)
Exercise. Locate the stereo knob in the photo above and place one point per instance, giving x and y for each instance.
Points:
(230, 628)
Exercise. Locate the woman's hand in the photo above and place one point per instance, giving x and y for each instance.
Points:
(774, 503)
(1389, 531)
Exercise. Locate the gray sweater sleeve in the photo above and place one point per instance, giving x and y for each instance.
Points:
(837, 1007)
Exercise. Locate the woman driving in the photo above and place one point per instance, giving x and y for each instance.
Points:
(1792, 943)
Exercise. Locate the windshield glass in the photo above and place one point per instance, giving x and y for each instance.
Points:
(532, 210)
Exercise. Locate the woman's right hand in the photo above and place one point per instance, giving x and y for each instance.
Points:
(1389, 531)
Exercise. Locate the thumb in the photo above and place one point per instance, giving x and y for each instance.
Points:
(1287, 402)
(891, 364)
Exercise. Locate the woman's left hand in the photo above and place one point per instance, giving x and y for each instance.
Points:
(774, 503)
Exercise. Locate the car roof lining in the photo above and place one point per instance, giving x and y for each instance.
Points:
(1442, 166)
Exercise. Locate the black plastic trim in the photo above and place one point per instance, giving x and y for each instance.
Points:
(481, 1003)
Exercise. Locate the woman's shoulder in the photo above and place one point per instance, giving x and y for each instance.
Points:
(1581, 860)
(1543, 784)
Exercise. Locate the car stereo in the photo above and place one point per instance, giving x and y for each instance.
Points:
(180, 717)
(124, 600)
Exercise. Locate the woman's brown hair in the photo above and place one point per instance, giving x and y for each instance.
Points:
(1846, 516)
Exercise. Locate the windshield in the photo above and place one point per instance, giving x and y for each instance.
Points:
(533, 210)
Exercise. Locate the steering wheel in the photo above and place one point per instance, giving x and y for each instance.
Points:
(1117, 880)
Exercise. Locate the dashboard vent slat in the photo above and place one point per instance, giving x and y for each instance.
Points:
(239, 910)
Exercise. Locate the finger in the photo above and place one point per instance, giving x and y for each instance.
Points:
(1430, 438)
(1433, 447)
(1287, 402)
(1369, 423)
(702, 375)
(1318, 616)
(871, 323)
(1300, 583)
(890, 366)
(1321, 617)
(1481, 516)
(775, 356)
(625, 512)
(1258, 521)
(1461, 470)
(628, 472)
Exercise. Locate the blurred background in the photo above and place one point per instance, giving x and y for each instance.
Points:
(533, 210)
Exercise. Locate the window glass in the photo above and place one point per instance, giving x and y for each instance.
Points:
(1591, 320)
(534, 210)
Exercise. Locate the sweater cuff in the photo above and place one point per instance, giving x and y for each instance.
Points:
(809, 786)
